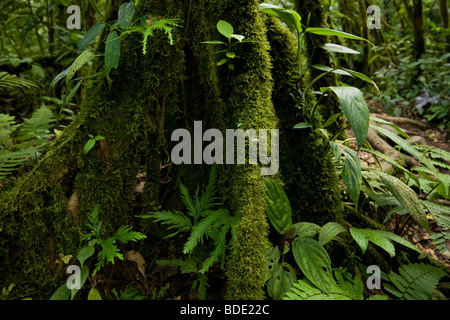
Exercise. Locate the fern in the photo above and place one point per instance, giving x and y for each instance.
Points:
(21, 143)
(9, 81)
(344, 288)
(166, 25)
(441, 215)
(109, 251)
(201, 220)
(414, 281)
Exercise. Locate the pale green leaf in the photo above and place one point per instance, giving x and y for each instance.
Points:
(126, 12)
(355, 109)
(330, 32)
(338, 48)
(225, 28)
(80, 61)
(288, 16)
(94, 295)
(90, 35)
(314, 262)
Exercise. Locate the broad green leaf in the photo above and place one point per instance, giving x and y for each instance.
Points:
(231, 55)
(314, 262)
(351, 174)
(62, 293)
(363, 77)
(85, 253)
(302, 125)
(360, 238)
(80, 61)
(399, 240)
(90, 35)
(273, 255)
(380, 240)
(59, 76)
(225, 28)
(221, 62)
(355, 109)
(112, 53)
(331, 120)
(288, 16)
(329, 69)
(330, 32)
(88, 145)
(329, 231)
(281, 281)
(303, 229)
(338, 48)
(407, 197)
(278, 206)
(94, 295)
(126, 12)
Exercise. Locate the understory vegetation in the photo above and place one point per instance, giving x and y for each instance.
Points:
(92, 207)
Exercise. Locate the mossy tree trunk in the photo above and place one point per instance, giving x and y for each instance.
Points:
(419, 31)
(44, 214)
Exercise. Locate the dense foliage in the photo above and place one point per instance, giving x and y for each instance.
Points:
(185, 245)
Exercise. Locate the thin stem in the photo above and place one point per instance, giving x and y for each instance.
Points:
(35, 27)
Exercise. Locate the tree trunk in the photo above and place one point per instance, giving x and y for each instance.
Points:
(45, 213)
(316, 55)
(364, 34)
(443, 9)
(419, 39)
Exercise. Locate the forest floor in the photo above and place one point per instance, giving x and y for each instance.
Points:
(422, 133)
(165, 281)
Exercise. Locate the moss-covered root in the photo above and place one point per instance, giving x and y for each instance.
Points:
(307, 169)
(247, 90)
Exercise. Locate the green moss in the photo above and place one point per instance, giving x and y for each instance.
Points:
(307, 169)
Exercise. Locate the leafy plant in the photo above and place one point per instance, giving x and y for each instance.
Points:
(107, 254)
(414, 281)
(116, 29)
(309, 253)
(201, 222)
(23, 143)
(343, 287)
(227, 31)
(91, 142)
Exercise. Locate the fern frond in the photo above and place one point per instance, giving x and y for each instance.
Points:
(8, 81)
(175, 219)
(38, 125)
(304, 290)
(107, 254)
(219, 251)
(414, 281)
(344, 288)
(124, 235)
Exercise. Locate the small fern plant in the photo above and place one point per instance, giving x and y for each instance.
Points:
(415, 281)
(108, 249)
(342, 288)
(23, 143)
(107, 254)
(202, 220)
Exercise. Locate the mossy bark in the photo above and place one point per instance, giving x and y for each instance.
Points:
(316, 55)
(45, 213)
(308, 172)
